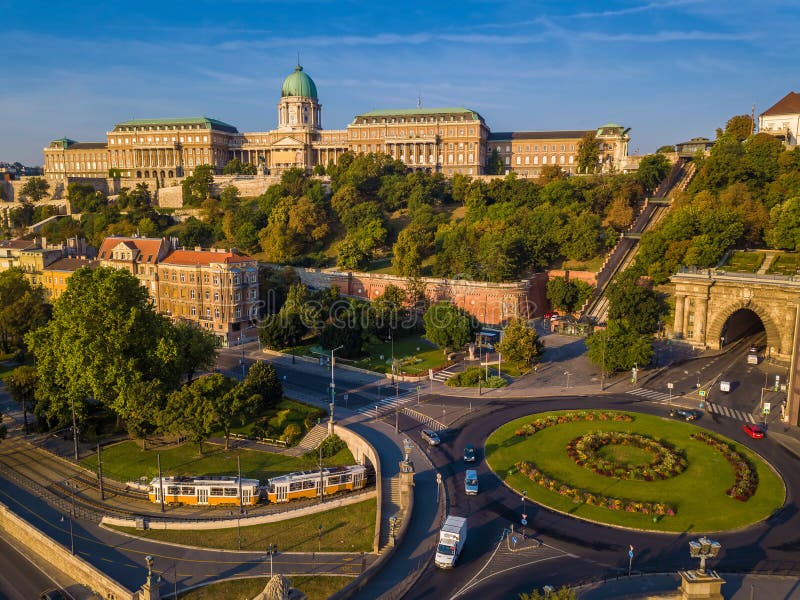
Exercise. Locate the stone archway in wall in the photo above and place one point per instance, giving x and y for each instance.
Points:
(717, 323)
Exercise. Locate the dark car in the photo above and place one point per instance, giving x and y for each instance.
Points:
(430, 436)
(686, 415)
(754, 431)
(469, 453)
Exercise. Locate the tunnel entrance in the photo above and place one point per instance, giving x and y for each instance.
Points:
(743, 323)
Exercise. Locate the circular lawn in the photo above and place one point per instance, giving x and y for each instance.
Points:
(634, 470)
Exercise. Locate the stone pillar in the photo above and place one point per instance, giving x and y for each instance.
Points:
(700, 310)
(677, 327)
(406, 483)
(686, 301)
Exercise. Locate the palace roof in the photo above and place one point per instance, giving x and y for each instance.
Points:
(204, 122)
(413, 112)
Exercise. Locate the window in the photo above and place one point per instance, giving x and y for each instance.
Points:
(208, 313)
(192, 294)
(183, 278)
(216, 296)
(194, 311)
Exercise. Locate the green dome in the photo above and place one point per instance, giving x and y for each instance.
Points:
(299, 84)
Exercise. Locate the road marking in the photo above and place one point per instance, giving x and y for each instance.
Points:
(651, 394)
(471, 585)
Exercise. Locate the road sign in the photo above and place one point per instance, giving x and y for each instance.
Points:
(524, 516)
(703, 393)
(514, 540)
(333, 385)
(524, 521)
(670, 386)
(767, 407)
(346, 396)
(419, 387)
(630, 553)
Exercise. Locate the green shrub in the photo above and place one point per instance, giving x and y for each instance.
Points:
(331, 446)
(472, 376)
(292, 433)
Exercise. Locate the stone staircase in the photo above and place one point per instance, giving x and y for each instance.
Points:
(390, 506)
(311, 441)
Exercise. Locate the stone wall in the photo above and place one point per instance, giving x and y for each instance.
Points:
(60, 558)
(362, 449)
(171, 194)
(491, 303)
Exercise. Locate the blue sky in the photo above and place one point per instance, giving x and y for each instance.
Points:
(669, 69)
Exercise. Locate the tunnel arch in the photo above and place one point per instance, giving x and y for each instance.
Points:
(717, 324)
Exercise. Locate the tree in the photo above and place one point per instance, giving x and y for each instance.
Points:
(635, 304)
(237, 167)
(551, 173)
(84, 198)
(619, 347)
(784, 232)
(582, 237)
(519, 344)
(588, 153)
(567, 294)
(739, 127)
(197, 187)
(22, 309)
(653, 168)
(414, 244)
(196, 408)
(36, 188)
(105, 337)
(448, 326)
(494, 165)
(263, 387)
(665, 149)
(196, 349)
(21, 384)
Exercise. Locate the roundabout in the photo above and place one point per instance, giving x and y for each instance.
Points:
(630, 469)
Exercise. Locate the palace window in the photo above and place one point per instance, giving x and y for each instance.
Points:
(216, 313)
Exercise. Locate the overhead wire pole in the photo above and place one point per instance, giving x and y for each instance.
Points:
(100, 473)
(74, 430)
(160, 482)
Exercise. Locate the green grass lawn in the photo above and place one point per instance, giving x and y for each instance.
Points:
(785, 264)
(698, 492)
(344, 529)
(592, 265)
(745, 262)
(315, 587)
(285, 412)
(416, 356)
(127, 462)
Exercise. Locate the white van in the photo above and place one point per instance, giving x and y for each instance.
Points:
(471, 482)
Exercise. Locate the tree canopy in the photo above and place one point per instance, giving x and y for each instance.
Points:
(448, 326)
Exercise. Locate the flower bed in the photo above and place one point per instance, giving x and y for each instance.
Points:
(745, 478)
(551, 420)
(578, 495)
(665, 461)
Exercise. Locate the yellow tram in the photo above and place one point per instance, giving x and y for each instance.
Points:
(206, 491)
(305, 484)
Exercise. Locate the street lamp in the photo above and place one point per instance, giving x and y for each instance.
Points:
(704, 548)
(567, 373)
(333, 384)
(271, 549)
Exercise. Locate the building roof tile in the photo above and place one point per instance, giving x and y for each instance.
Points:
(203, 257)
(71, 264)
(500, 136)
(149, 248)
(788, 105)
(205, 122)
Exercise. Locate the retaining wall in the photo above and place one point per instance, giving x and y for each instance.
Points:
(60, 558)
(244, 522)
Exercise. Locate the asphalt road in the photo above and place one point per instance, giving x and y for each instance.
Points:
(20, 578)
(575, 550)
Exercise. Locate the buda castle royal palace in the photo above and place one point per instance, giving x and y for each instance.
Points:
(443, 140)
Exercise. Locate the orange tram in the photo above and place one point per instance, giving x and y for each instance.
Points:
(222, 490)
(204, 491)
(306, 484)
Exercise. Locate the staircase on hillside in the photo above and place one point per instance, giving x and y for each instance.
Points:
(624, 253)
(311, 441)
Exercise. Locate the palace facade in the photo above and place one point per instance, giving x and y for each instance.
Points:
(445, 140)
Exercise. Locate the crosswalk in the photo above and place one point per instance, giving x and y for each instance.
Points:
(387, 404)
(650, 394)
(444, 374)
(712, 407)
(732, 413)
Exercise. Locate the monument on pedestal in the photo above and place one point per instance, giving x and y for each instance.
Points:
(702, 583)
(149, 590)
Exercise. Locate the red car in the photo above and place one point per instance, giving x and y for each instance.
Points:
(754, 431)
(548, 314)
